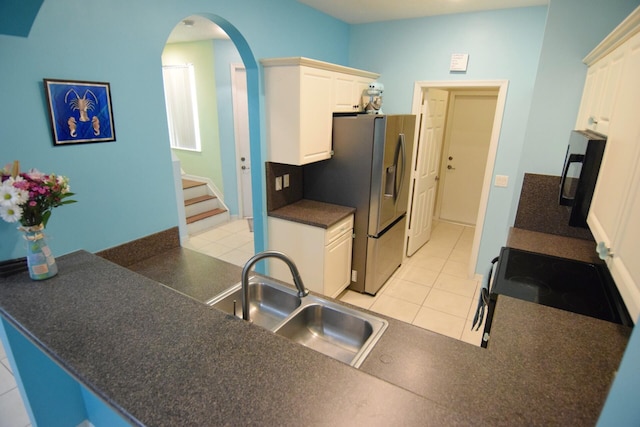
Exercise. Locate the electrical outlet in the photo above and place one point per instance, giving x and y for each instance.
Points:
(285, 182)
(501, 181)
(278, 183)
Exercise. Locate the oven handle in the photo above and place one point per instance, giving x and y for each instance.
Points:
(483, 300)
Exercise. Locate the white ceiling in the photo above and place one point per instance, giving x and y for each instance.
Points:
(359, 12)
(364, 11)
(200, 29)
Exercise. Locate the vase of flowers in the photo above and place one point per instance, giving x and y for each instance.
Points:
(28, 198)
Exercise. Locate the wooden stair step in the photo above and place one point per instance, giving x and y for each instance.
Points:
(204, 215)
(199, 199)
(189, 183)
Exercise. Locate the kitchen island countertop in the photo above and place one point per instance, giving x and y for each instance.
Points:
(168, 359)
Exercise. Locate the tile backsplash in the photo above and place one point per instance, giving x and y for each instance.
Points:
(287, 195)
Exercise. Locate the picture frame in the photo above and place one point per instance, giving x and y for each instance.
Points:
(80, 112)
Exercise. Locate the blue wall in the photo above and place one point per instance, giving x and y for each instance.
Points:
(573, 29)
(124, 188)
(539, 50)
(502, 45)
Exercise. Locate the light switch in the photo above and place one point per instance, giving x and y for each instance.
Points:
(278, 183)
(502, 181)
(285, 182)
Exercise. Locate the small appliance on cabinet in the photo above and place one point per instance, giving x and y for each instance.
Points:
(370, 170)
(580, 173)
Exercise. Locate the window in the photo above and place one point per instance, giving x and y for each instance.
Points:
(182, 106)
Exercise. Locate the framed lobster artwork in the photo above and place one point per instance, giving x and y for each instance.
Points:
(79, 111)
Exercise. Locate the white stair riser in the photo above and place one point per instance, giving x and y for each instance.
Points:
(193, 192)
(203, 224)
(201, 207)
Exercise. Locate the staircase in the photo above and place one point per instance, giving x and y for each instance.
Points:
(202, 208)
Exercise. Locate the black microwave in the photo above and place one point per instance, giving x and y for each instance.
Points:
(580, 173)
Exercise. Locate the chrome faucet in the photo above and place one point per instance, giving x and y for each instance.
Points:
(297, 280)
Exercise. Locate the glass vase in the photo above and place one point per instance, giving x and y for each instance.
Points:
(40, 260)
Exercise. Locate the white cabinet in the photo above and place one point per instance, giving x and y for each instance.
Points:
(301, 96)
(600, 91)
(348, 92)
(323, 256)
(615, 209)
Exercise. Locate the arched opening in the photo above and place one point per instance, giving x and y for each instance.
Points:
(235, 170)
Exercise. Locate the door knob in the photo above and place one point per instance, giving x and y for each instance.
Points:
(242, 159)
(243, 167)
(450, 167)
(450, 157)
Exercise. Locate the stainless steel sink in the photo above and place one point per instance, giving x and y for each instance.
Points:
(330, 328)
(269, 304)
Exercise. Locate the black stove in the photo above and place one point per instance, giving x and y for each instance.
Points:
(571, 285)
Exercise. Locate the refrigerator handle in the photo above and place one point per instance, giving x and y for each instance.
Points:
(393, 186)
(404, 165)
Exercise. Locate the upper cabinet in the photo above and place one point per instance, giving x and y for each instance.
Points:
(600, 91)
(615, 208)
(301, 96)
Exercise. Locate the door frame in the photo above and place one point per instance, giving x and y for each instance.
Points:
(234, 96)
(501, 86)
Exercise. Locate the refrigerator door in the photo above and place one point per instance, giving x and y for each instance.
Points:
(384, 256)
(390, 173)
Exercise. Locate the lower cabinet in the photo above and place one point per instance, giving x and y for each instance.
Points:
(615, 208)
(323, 256)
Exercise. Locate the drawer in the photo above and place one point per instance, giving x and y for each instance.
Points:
(338, 229)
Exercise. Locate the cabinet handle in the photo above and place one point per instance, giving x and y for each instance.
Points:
(603, 251)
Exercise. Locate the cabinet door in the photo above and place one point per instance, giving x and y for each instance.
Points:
(623, 263)
(337, 265)
(348, 92)
(615, 206)
(611, 82)
(316, 117)
(600, 91)
(304, 244)
(344, 87)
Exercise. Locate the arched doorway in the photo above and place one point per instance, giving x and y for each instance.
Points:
(232, 155)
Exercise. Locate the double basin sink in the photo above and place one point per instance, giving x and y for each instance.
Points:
(332, 329)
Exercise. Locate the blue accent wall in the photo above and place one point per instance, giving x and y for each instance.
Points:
(502, 45)
(124, 188)
(573, 29)
(539, 50)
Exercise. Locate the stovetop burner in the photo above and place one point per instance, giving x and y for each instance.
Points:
(562, 283)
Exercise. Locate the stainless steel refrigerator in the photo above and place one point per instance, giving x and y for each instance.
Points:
(369, 170)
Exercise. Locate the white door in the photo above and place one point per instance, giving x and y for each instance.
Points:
(425, 178)
(467, 137)
(241, 130)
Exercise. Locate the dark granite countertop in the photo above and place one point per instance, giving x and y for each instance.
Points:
(552, 244)
(170, 360)
(191, 273)
(313, 213)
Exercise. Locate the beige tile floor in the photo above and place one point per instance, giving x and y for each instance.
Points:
(231, 242)
(12, 411)
(430, 290)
